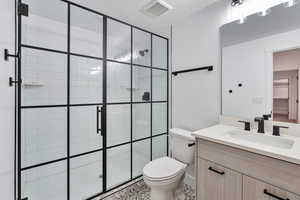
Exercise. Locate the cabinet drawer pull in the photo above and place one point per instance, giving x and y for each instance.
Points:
(216, 171)
(273, 195)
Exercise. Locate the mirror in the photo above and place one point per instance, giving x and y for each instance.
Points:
(261, 65)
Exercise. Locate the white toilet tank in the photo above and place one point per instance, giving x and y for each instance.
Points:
(179, 141)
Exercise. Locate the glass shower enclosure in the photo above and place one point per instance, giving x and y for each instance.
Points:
(93, 102)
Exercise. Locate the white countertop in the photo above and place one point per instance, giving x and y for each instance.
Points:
(219, 134)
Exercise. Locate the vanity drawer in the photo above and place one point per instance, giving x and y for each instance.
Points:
(270, 170)
(215, 182)
(257, 190)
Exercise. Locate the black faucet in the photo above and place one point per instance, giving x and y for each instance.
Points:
(247, 125)
(261, 124)
(276, 129)
(267, 116)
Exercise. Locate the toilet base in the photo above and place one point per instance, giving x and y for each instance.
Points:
(164, 188)
(162, 195)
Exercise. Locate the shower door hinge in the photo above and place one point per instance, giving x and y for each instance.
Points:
(7, 55)
(12, 82)
(23, 9)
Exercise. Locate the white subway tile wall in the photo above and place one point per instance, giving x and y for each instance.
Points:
(83, 130)
(86, 80)
(141, 84)
(44, 78)
(159, 147)
(160, 53)
(44, 135)
(159, 118)
(118, 82)
(141, 47)
(118, 165)
(86, 38)
(86, 176)
(118, 124)
(141, 118)
(141, 156)
(159, 85)
(46, 182)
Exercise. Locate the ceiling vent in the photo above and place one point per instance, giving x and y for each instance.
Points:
(156, 8)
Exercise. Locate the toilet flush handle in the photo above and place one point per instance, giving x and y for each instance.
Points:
(191, 144)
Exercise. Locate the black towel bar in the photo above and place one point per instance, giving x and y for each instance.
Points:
(209, 68)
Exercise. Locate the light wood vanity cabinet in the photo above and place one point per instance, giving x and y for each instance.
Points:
(257, 190)
(218, 183)
(227, 173)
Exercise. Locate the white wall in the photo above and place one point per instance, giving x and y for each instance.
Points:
(6, 101)
(251, 63)
(196, 95)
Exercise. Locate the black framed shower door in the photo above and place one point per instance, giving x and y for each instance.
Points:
(93, 102)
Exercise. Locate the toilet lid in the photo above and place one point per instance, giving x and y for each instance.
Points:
(163, 168)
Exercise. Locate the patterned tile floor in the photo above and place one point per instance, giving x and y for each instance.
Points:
(140, 191)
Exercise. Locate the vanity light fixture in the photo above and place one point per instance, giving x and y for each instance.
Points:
(290, 3)
(236, 2)
(264, 12)
(242, 20)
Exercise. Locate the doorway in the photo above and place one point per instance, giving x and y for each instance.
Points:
(286, 86)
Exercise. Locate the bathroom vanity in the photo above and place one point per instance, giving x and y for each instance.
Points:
(233, 164)
(260, 80)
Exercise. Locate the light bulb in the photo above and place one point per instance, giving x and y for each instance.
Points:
(237, 2)
(242, 20)
(264, 12)
(290, 3)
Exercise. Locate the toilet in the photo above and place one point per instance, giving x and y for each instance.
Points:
(165, 174)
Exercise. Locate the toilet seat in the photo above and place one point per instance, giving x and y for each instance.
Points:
(164, 168)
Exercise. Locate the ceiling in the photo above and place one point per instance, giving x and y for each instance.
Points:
(129, 11)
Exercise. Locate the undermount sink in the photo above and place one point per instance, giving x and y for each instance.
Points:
(285, 147)
(273, 141)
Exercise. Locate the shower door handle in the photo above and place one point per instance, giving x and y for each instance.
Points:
(99, 110)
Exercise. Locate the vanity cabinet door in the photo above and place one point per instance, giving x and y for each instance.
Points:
(257, 190)
(215, 182)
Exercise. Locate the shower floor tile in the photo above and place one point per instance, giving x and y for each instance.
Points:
(140, 191)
